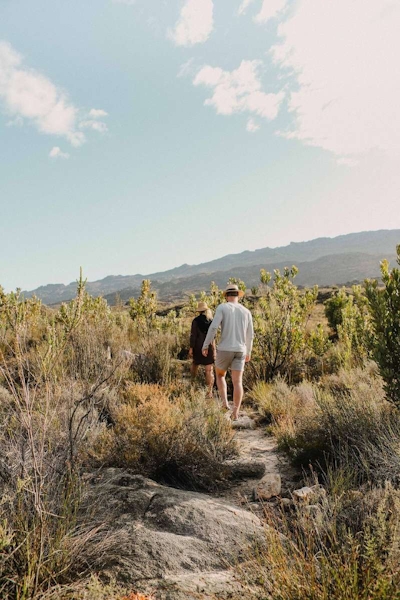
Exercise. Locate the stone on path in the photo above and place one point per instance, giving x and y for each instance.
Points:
(245, 468)
(268, 487)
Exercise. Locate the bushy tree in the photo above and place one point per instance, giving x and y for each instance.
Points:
(280, 320)
(384, 305)
(334, 307)
(143, 310)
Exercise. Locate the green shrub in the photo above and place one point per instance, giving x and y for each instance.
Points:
(280, 319)
(384, 305)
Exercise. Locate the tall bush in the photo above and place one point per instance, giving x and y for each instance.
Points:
(384, 305)
(280, 320)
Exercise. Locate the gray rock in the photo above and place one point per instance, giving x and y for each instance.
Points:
(269, 486)
(245, 468)
(184, 541)
(309, 495)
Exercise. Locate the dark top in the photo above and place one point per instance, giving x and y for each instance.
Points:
(198, 334)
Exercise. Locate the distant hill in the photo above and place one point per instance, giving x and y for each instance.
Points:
(323, 261)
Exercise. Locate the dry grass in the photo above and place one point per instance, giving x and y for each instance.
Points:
(343, 420)
(167, 434)
(346, 548)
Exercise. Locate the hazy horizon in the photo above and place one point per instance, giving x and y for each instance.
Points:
(89, 279)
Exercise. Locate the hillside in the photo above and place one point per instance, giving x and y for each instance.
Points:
(323, 261)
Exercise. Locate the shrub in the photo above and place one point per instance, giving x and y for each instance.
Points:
(280, 319)
(342, 548)
(346, 421)
(167, 435)
(384, 305)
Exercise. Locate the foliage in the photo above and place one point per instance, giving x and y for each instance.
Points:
(143, 310)
(343, 547)
(167, 435)
(343, 421)
(280, 319)
(384, 305)
(334, 307)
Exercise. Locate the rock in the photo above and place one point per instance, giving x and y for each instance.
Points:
(167, 537)
(245, 468)
(315, 514)
(244, 422)
(309, 495)
(287, 503)
(269, 486)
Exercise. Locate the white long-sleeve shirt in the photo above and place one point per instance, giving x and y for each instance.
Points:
(236, 328)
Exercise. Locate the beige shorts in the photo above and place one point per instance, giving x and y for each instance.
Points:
(234, 360)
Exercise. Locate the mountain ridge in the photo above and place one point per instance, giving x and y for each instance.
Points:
(363, 251)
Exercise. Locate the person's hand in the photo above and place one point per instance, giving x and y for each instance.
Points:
(247, 358)
(205, 352)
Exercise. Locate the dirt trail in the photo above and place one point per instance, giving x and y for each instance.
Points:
(257, 446)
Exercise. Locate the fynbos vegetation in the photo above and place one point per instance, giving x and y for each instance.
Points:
(85, 387)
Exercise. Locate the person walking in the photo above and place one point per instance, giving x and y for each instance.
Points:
(200, 326)
(234, 348)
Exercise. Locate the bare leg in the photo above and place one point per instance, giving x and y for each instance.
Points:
(209, 380)
(237, 392)
(222, 388)
(193, 370)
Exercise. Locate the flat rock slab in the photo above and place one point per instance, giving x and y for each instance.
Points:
(171, 536)
(245, 468)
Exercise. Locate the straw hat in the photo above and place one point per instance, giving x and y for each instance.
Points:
(233, 288)
(202, 306)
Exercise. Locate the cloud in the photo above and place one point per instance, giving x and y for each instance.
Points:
(95, 125)
(56, 152)
(239, 91)
(186, 68)
(195, 23)
(243, 7)
(344, 59)
(269, 10)
(97, 113)
(252, 126)
(30, 96)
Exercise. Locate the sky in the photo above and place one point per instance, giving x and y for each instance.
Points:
(137, 135)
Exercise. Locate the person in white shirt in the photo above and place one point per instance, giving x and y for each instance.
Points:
(234, 348)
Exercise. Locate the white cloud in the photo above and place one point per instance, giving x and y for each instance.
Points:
(239, 91)
(96, 113)
(56, 152)
(17, 122)
(95, 125)
(344, 56)
(269, 10)
(243, 7)
(186, 68)
(195, 23)
(30, 96)
(252, 126)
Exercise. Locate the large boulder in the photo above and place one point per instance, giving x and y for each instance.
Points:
(179, 543)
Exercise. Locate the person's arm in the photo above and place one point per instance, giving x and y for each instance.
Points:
(249, 337)
(193, 336)
(216, 322)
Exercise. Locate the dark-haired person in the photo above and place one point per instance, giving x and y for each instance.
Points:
(234, 348)
(199, 330)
